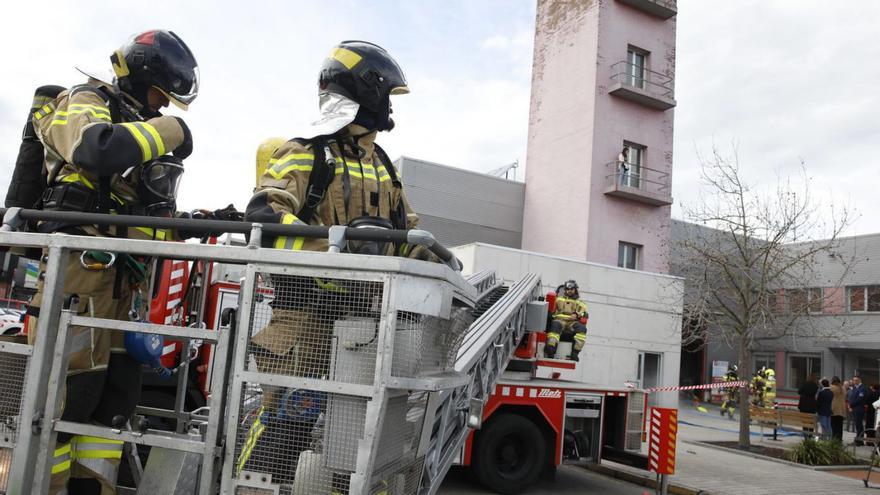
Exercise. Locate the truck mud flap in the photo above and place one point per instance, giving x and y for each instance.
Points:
(625, 457)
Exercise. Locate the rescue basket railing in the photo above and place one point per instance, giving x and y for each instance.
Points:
(349, 373)
(13, 218)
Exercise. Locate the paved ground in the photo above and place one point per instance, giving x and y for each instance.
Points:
(570, 480)
(717, 472)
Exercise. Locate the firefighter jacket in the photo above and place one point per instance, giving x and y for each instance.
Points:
(569, 310)
(89, 133)
(361, 186)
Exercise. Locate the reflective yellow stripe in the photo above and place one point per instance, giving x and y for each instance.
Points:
(345, 57)
(302, 162)
(61, 467)
(61, 461)
(284, 242)
(160, 145)
(329, 286)
(90, 439)
(78, 178)
(254, 433)
(82, 180)
(61, 116)
(160, 234)
(141, 140)
(581, 337)
(46, 110)
(369, 172)
(552, 336)
(99, 108)
(99, 454)
(88, 447)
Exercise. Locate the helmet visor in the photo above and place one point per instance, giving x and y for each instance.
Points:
(181, 91)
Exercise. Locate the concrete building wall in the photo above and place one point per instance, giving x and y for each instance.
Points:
(561, 128)
(614, 219)
(630, 312)
(460, 206)
(576, 129)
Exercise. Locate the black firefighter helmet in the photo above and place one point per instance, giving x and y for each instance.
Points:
(158, 59)
(366, 74)
(571, 285)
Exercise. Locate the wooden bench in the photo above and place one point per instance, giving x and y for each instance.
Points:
(783, 419)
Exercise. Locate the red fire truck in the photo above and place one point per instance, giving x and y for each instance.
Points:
(530, 426)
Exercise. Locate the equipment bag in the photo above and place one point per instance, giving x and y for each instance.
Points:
(30, 175)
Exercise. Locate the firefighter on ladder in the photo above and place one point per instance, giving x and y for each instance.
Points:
(569, 322)
(92, 134)
(338, 176)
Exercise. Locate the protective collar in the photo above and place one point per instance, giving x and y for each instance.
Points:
(336, 112)
(108, 79)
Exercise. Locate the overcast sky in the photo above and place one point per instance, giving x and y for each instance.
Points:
(787, 80)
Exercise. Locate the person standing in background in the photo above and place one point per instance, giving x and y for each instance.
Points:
(824, 399)
(838, 409)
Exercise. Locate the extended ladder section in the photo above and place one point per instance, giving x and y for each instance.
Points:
(506, 314)
(340, 374)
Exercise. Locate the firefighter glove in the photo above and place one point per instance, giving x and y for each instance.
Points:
(186, 147)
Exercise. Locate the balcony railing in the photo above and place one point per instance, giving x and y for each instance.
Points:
(638, 183)
(660, 8)
(638, 84)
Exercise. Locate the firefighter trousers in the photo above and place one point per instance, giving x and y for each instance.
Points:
(574, 332)
(102, 379)
(294, 343)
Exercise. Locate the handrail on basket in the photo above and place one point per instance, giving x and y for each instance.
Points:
(13, 218)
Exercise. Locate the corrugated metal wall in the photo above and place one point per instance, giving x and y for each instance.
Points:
(459, 206)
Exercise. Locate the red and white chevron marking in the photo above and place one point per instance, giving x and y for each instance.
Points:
(699, 387)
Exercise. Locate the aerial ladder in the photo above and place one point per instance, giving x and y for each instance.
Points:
(377, 397)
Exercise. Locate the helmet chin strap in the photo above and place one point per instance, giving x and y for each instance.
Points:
(133, 104)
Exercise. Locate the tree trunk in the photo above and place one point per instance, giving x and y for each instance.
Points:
(744, 374)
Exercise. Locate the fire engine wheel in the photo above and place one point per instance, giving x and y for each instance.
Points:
(509, 454)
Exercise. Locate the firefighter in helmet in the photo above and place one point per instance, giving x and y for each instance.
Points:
(104, 143)
(731, 394)
(763, 387)
(569, 322)
(336, 175)
(770, 388)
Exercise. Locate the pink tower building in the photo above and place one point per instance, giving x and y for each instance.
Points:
(599, 160)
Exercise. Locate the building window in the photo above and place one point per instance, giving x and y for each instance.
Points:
(814, 300)
(864, 298)
(628, 255)
(800, 368)
(650, 373)
(804, 300)
(763, 360)
(637, 63)
(631, 170)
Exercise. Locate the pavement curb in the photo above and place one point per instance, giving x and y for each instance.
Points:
(644, 480)
(773, 459)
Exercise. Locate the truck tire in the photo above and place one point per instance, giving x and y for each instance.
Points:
(509, 454)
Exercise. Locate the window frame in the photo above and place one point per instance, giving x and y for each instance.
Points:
(770, 360)
(866, 298)
(634, 174)
(633, 53)
(789, 375)
(637, 255)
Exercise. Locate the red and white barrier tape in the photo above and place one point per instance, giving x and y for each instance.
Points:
(699, 387)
